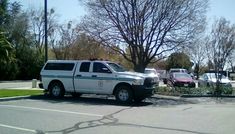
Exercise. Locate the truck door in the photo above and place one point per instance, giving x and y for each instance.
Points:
(103, 78)
(82, 78)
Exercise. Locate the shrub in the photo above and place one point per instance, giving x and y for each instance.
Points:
(177, 91)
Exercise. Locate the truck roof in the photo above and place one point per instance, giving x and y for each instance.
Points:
(69, 61)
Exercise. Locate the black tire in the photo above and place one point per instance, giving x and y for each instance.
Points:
(124, 94)
(208, 85)
(165, 81)
(138, 100)
(56, 90)
(76, 95)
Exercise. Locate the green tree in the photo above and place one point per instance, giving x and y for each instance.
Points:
(6, 49)
(26, 56)
(8, 68)
(179, 60)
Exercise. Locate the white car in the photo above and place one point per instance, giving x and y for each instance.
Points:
(209, 79)
(153, 73)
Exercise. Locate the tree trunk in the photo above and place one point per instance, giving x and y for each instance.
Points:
(197, 70)
(139, 67)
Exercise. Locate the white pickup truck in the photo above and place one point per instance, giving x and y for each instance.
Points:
(95, 77)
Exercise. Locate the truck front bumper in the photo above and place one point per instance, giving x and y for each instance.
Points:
(141, 91)
(40, 85)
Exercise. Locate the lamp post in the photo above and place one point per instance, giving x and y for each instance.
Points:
(45, 17)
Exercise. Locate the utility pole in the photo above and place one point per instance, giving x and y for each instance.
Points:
(45, 16)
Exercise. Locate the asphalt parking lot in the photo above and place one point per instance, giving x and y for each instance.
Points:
(100, 115)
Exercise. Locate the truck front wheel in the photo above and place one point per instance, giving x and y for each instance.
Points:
(124, 94)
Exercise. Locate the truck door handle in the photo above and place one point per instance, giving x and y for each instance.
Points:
(79, 75)
(94, 76)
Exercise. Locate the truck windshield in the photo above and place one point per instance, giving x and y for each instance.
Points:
(116, 67)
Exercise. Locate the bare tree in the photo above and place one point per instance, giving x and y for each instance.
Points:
(197, 53)
(222, 43)
(147, 28)
(36, 19)
(231, 60)
(221, 46)
(65, 39)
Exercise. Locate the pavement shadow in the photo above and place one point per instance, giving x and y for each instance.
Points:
(110, 100)
(88, 100)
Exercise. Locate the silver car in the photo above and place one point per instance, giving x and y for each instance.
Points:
(209, 79)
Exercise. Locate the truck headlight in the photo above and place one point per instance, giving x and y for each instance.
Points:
(137, 82)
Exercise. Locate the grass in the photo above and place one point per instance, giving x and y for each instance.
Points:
(23, 92)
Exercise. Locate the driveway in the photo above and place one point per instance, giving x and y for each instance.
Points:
(100, 115)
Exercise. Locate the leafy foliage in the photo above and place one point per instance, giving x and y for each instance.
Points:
(179, 60)
(201, 91)
(19, 58)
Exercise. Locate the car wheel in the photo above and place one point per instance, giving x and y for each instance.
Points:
(193, 85)
(208, 85)
(124, 94)
(56, 90)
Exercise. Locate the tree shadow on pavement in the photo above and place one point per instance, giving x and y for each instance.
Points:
(111, 120)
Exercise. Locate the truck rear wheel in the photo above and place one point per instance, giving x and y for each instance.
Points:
(124, 94)
(56, 90)
(76, 95)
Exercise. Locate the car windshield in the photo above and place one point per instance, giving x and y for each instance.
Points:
(181, 75)
(150, 72)
(178, 70)
(116, 67)
(212, 75)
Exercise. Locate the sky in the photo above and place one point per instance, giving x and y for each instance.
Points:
(221, 8)
(73, 10)
(65, 9)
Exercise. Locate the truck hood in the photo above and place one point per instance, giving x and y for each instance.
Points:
(132, 74)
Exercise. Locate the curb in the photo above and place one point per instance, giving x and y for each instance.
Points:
(204, 96)
(14, 98)
(166, 97)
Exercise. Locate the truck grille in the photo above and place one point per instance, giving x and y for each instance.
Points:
(149, 82)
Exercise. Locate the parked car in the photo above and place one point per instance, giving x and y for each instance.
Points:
(209, 79)
(152, 73)
(173, 70)
(181, 79)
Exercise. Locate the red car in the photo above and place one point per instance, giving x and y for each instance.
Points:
(180, 79)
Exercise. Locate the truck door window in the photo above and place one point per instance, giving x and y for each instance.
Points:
(100, 68)
(85, 66)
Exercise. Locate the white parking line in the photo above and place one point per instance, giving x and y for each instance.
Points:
(52, 110)
(18, 128)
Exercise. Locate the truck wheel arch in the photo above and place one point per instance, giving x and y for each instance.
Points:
(121, 84)
(54, 81)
